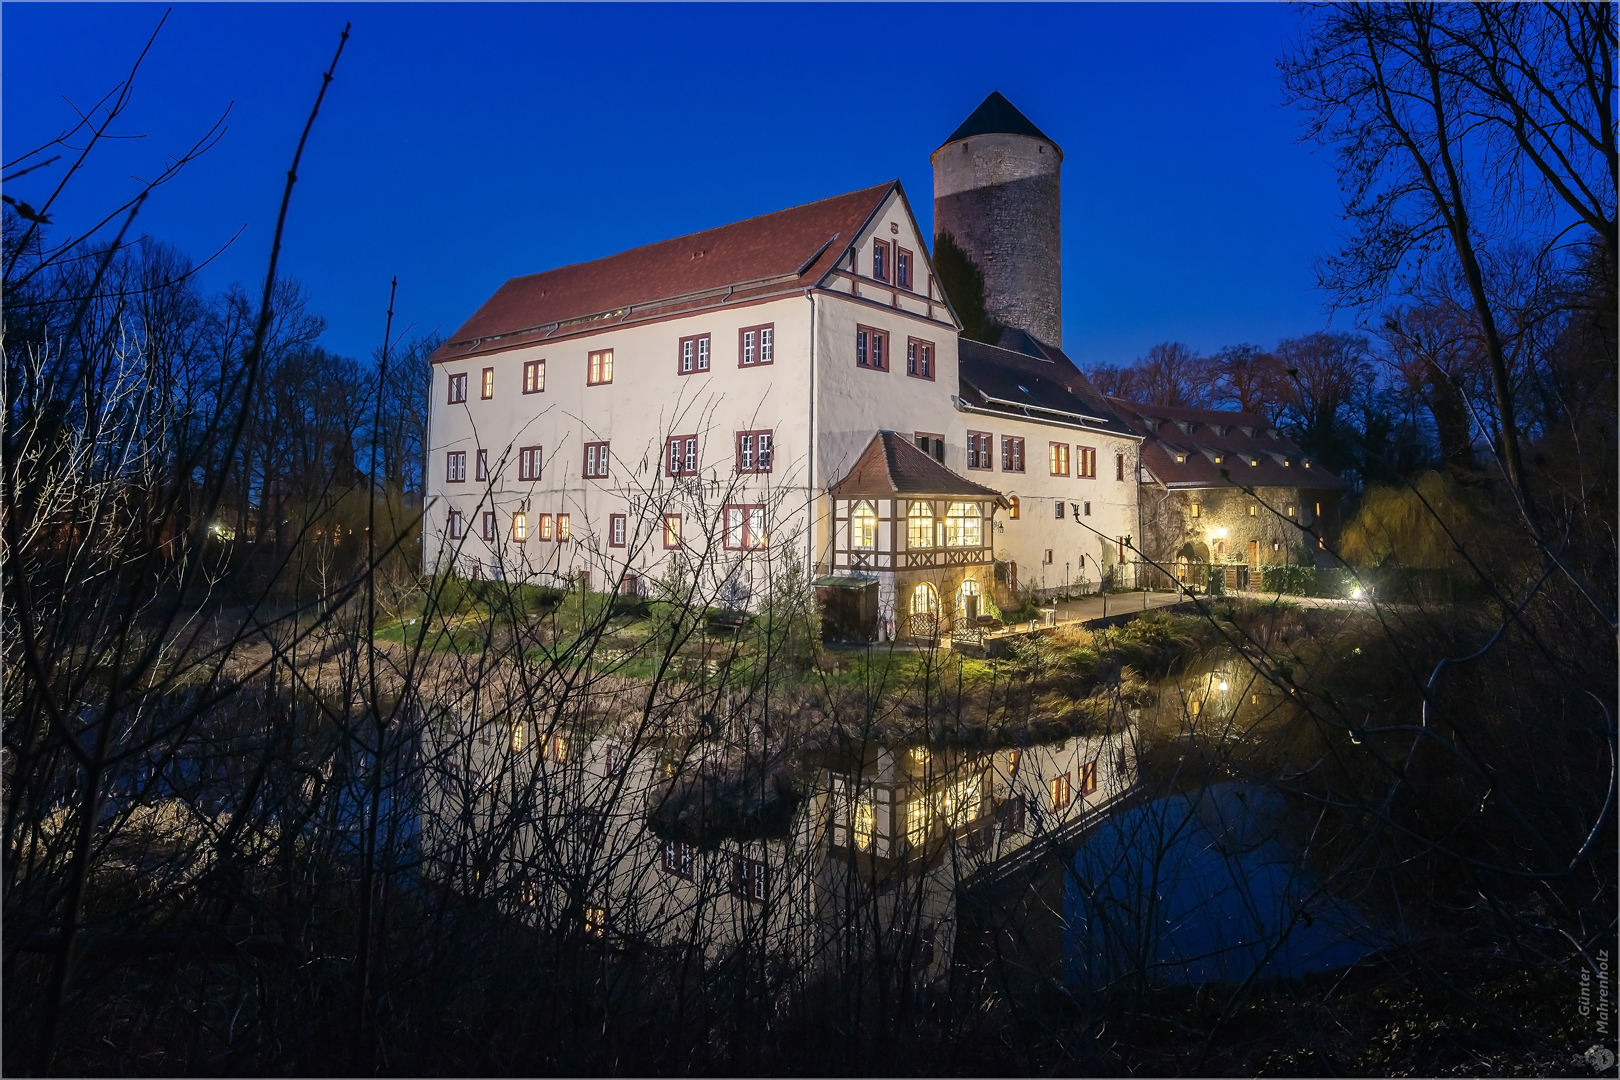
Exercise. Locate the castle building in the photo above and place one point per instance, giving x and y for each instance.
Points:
(716, 400)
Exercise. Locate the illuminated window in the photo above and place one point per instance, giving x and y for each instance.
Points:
(1088, 779)
(563, 528)
(599, 371)
(672, 530)
(920, 525)
(1086, 464)
(1196, 511)
(863, 526)
(1058, 459)
(864, 823)
(1012, 507)
(517, 738)
(964, 525)
(543, 526)
(487, 390)
(520, 527)
(534, 376)
(595, 920)
(1062, 792)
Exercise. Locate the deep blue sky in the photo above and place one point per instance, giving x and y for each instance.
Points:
(464, 144)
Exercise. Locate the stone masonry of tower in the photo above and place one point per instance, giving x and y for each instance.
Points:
(997, 193)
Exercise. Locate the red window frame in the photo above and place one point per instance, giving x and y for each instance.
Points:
(669, 520)
(694, 355)
(616, 530)
(1086, 463)
(534, 376)
(1061, 788)
(738, 520)
(979, 444)
(599, 368)
(903, 258)
(458, 388)
(1057, 509)
(486, 384)
(1012, 454)
(678, 859)
(1119, 466)
(756, 345)
(881, 250)
(529, 463)
(760, 448)
(871, 348)
(596, 461)
(454, 525)
(1012, 508)
(481, 465)
(520, 523)
(1057, 459)
(1088, 779)
(455, 467)
(681, 455)
(542, 526)
(1085, 508)
(489, 526)
(750, 879)
(920, 359)
(565, 529)
(1012, 815)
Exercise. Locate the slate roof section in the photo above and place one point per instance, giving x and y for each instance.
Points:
(998, 116)
(892, 464)
(1026, 379)
(1207, 448)
(779, 252)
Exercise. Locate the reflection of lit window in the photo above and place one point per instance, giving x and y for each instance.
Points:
(863, 526)
(920, 526)
(964, 527)
(517, 738)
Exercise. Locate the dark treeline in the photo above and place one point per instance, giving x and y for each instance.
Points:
(285, 448)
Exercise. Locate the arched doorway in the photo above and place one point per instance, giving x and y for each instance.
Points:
(924, 611)
(969, 603)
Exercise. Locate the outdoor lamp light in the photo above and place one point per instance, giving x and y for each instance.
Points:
(1223, 686)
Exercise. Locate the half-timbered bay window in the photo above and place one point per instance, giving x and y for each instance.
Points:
(534, 376)
(754, 451)
(745, 527)
(694, 355)
(681, 456)
(860, 816)
(455, 467)
(920, 525)
(964, 526)
(863, 526)
(756, 345)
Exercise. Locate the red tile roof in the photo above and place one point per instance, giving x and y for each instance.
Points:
(892, 464)
(789, 249)
(1181, 446)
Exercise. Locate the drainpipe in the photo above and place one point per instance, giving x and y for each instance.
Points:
(810, 493)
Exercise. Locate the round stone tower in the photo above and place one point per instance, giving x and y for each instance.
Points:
(996, 192)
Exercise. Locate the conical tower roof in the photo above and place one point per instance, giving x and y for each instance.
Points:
(997, 116)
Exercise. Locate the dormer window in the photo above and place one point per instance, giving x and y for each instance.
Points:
(1306, 463)
(1219, 457)
(1254, 461)
(1181, 458)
